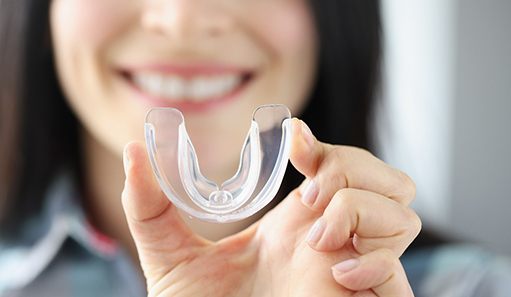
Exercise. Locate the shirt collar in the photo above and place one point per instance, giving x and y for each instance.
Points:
(64, 206)
(42, 237)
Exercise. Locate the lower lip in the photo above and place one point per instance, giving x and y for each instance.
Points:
(188, 105)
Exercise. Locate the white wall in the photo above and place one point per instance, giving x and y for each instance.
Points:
(447, 112)
(418, 89)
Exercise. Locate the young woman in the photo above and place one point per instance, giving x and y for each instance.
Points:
(77, 78)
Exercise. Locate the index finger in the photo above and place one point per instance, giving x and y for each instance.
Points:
(366, 219)
(329, 168)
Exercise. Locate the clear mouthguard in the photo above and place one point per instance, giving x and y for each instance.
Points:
(263, 162)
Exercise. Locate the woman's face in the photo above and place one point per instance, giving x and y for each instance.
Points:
(215, 60)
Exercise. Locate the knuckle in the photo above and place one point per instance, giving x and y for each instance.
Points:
(336, 165)
(407, 184)
(341, 179)
(345, 157)
(344, 198)
(365, 153)
(340, 152)
(389, 259)
(348, 153)
(414, 222)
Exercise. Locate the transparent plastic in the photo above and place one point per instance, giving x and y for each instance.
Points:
(263, 162)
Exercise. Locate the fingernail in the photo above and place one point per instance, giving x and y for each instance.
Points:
(316, 231)
(307, 135)
(310, 194)
(346, 266)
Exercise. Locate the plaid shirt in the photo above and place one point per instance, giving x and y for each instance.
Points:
(60, 254)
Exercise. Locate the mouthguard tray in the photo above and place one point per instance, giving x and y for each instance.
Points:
(263, 162)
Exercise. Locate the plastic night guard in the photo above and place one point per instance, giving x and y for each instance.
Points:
(263, 162)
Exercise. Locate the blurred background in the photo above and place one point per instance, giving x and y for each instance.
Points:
(446, 116)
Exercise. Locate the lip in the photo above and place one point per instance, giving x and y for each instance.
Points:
(186, 72)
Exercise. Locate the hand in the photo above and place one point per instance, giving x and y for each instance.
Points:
(272, 257)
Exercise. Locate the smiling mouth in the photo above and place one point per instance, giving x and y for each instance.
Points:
(187, 88)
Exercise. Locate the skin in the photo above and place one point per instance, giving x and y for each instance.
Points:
(360, 205)
(274, 256)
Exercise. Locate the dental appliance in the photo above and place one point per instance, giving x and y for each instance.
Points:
(263, 162)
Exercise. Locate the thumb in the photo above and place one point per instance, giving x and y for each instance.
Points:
(306, 155)
(306, 151)
(162, 238)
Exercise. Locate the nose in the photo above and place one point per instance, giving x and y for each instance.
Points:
(183, 20)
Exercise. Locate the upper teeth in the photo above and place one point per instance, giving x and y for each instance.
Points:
(177, 88)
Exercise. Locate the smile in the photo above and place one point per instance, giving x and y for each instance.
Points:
(187, 88)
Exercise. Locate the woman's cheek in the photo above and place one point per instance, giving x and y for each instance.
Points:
(285, 25)
(91, 23)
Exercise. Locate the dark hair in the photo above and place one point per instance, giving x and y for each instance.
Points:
(37, 129)
(38, 132)
(339, 110)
